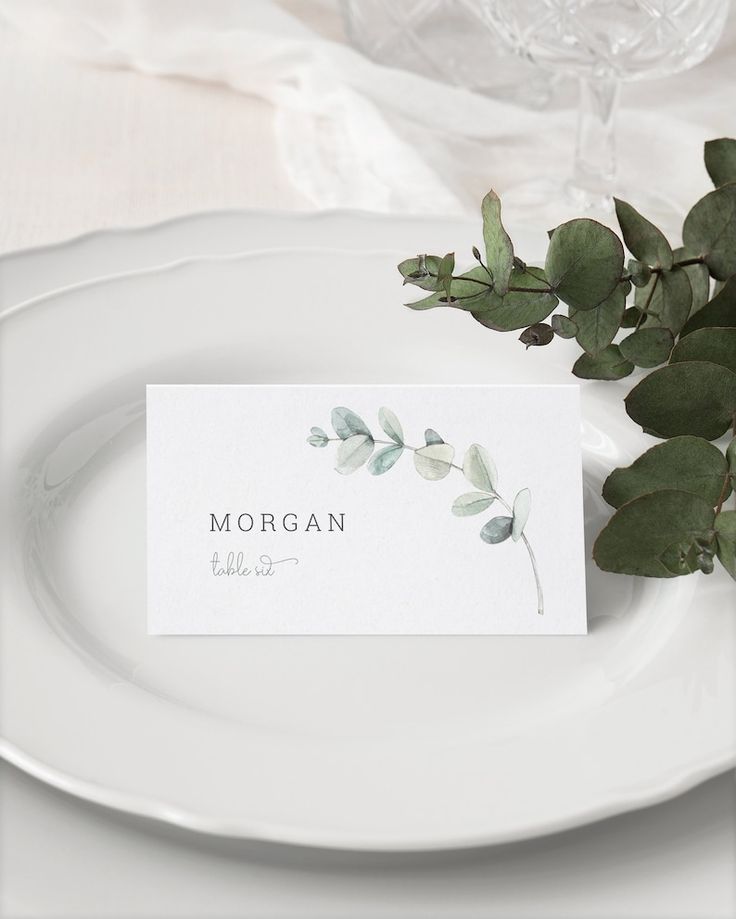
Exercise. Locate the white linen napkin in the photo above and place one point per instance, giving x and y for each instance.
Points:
(356, 134)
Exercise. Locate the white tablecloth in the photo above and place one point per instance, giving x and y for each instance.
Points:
(86, 147)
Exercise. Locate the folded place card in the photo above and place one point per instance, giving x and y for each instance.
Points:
(365, 510)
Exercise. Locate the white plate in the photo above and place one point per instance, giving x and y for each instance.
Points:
(381, 743)
(29, 273)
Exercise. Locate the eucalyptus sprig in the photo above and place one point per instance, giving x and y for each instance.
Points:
(680, 324)
(433, 461)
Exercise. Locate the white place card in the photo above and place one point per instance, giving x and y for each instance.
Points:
(365, 510)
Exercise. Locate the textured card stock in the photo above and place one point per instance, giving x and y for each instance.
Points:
(365, 510)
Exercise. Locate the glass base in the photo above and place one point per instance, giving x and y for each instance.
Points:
(544, 204)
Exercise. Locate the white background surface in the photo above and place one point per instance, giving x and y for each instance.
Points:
(82, 148)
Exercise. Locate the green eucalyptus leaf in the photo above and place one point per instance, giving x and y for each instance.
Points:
(515, 311)
(684, 463)
(498, 529)
(631, 318)
(648, 347)
(584, 263)
(563, 326)
(537, 335)
(420, 271)
(644, 529)
(353, 452)
(518, 309)
(391, 425)
(318, 437)
(725, 527)
(597, 327)
(692, 397)
(715, 345)
(470, 290)
(719, 313)
(670, 304)
(432, 437)
(316, 440)
(479, 469)
(444, 274)
(434, 461)
(710, 231)
(720, 160)
(731, 456)
(524, 274)
(473, 502)
(694, 553)
(499, 249)
(346, 422)
(699, 280)
(643, 240)
(521, 509)
(383, 460)
(609, 364)
(640, 273)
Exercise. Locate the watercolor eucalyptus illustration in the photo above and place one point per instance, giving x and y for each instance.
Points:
(433, 461)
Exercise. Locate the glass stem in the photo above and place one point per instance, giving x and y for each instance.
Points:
(595, 151)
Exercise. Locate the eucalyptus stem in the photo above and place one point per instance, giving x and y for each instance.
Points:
(495, 495)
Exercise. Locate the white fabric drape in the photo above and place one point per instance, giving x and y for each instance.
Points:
(355, 134)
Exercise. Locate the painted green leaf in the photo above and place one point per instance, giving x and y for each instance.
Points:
(647, 347)
(470, 290)
(719, 313)
(699, 280)
(353, 452)
(584, 263)
(610, 364)
(597, 327)
(715, 345)
(434, 461)
(391, 425)
(692, 397)
(432, 437)
(318, 437)
(421, 271)
(670, 304)
(720, 160)
(683, 463)
(725, 526)
(479, 469)
(346, 422)
(643, 240)
(710, 231)
(496, 530)
(642, 530)
(474, 502)
(522, 507)
(317, 440)
(499, 249)
(563, 326)
(383, 460)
